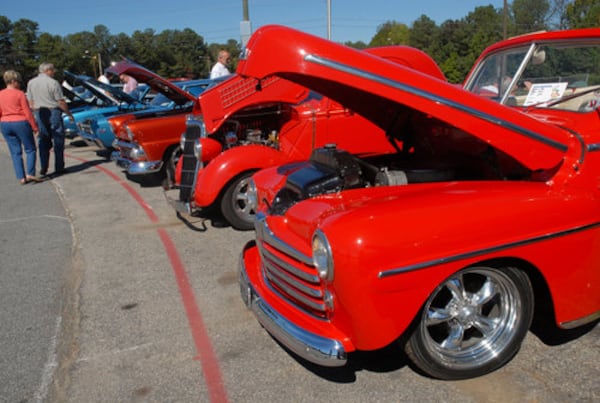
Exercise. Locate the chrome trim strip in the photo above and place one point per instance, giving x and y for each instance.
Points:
(434, 98)
(312, 347)
(144, 167)
(264, 233)
(120, 161)
(292, 292)
(454, 258)
(593, 147)
(278, 276)
(289, 268)
(580, 322)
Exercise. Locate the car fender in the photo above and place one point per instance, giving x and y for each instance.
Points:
(403, 243)
(212, 179)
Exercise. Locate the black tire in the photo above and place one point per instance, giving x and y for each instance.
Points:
(171, 157)
(473, 323)
(235, 206)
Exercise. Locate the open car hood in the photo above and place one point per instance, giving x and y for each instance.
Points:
(102, 90)
(236, 93)
(93, 86)
(153, 80)
(380, 89)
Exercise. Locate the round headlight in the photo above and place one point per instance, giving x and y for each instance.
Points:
(322, 256)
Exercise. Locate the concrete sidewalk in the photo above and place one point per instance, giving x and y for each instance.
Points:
(35, 255)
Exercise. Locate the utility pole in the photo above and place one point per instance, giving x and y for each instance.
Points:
(245, 26)
(329, 19)
(505, 23)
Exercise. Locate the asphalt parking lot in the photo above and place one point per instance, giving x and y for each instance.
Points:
(147, 309)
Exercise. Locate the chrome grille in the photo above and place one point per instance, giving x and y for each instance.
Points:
(290, 273)
(189, 167)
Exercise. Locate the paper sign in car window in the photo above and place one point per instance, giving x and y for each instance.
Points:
(544, 92)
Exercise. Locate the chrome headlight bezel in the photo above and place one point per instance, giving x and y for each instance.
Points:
(130, 134)
(322, 256)
(137, 153)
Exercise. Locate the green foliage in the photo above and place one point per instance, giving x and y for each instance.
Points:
(530, 15)
(583, 14)
(391, 33)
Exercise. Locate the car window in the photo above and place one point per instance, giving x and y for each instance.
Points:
(561, 75)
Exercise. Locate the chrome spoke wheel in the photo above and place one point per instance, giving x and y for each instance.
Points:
(236, 206)
(473, 322)
(240, 203)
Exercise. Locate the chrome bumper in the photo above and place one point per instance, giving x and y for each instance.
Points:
(314, 348)
(137, 168)
(172, 196)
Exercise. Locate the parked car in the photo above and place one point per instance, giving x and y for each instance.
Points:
(247, 125)
(114, 101)
(79, 99)
(487, 215)
(169, 98)
(148, 142)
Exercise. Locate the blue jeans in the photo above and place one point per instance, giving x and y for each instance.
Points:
(52, 135)
(18, 135)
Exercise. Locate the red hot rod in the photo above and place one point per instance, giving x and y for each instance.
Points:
(488, 209)
(246, 125)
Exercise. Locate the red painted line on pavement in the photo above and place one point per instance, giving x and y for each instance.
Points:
(206, 355)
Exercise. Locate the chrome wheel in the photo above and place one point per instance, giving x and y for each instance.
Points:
(473, 323)
(236, 205)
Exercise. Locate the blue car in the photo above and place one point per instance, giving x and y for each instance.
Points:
(111, 101)
(80, 99)
(171, 97)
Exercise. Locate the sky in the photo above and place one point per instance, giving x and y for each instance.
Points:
(219, 20)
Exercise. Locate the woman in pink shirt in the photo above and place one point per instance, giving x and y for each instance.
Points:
(18, 126)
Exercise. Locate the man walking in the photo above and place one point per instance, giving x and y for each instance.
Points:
(47, 101)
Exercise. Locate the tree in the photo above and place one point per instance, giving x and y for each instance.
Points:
(424, 34)
(356, 45)
(144, 47)
(583, 14)
(23, 40)
(182, 54)
(5, 43)
(390, 33)
(530, 15)
(51, 48)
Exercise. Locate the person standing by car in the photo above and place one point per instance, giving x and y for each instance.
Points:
(47, 101)
(18, 126)
(130, 84)
(220, 68)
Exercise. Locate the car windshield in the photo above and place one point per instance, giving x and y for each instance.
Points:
(541, 75)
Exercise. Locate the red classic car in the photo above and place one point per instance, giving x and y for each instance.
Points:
(247, 125)
(447, 246)
(147, 142)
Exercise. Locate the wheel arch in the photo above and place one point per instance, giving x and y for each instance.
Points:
(218, 174)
